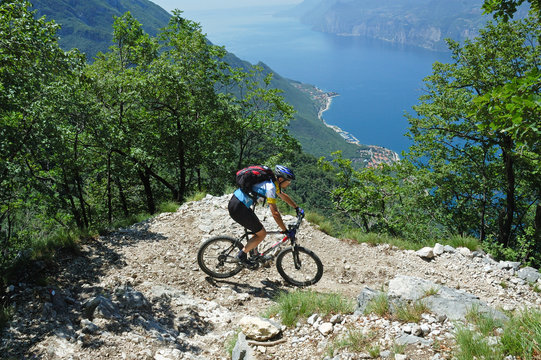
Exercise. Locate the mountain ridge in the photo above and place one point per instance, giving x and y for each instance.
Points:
(421, 23)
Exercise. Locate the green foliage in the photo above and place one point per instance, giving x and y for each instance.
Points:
(473, 345)
(373, 238)
(168, 206)
(301, 304)
(485, 323)
(6, 313)
(476, 134)
(526, 249)
(231, 341)
(506, 9)
(323, 224)
(390, 200)
(91, 146)
(86, 25)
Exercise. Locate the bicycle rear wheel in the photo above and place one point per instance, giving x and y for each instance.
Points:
(216, 257)
(299, 267)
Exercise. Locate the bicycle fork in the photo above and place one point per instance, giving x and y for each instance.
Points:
(296, 257)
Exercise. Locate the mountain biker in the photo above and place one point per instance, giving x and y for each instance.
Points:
(240, 209)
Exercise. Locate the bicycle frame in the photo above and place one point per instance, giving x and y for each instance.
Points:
(254, 253)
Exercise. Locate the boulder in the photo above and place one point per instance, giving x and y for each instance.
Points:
(242, 351)
(425, 253)
(452, 303)
(529, 274)
(259, 329)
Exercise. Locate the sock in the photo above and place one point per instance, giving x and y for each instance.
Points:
(242, 255)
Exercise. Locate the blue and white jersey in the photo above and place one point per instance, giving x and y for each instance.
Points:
(266, 189)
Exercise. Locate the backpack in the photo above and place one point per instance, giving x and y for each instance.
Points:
(251, 175)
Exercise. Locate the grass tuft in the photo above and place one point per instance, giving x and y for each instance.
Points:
(378, 239)
(321, 221)
(301, 304)
(469, 242)
(168, 206)
(200, 195)
(520, 336)
(379, 305)
(355, 341)
(410, 312)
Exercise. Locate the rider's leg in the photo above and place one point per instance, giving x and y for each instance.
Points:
(255, 240)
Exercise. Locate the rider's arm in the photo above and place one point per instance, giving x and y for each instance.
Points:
(277, 217)
(287, 199)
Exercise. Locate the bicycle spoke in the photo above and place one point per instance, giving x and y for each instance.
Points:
(216, 257)
(300, 268)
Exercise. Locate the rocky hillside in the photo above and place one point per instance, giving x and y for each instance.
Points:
(138, 293)
(421, 23)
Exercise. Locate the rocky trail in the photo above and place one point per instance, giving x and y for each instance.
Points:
(138, 293)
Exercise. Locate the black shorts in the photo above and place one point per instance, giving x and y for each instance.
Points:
(243, 215)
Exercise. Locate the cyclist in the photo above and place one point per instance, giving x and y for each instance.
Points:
(240, 209)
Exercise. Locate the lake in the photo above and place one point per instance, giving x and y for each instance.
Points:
(378, 82)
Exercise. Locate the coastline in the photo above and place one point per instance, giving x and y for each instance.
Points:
(373, 154)
(346, 135)
(370, 155)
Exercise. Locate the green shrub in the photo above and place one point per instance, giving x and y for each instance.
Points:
(469, 242)
(525, 249)
(6, 313)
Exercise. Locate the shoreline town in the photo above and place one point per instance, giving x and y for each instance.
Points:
(371, 155)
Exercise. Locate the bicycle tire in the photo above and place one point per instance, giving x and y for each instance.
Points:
(216, 257)
(309, 273)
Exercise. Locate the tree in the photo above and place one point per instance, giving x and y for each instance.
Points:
(31, 64)
(262, 117)
(505, 9)
(480, 170)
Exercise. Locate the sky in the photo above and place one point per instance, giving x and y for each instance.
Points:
(196, 5)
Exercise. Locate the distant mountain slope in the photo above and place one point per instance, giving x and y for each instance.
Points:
(422, 23)
(88, 26)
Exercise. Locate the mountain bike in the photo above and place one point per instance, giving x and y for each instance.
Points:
(296, 264)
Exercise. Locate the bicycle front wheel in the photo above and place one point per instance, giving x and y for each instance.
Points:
(216, 257)
(299, 267)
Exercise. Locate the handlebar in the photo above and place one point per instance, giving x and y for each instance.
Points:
(298, 223)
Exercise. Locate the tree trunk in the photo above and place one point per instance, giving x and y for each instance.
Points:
(181, 161)
(507, 223)
(145, 179)
(537, 224)
(80, 196)
(109, 194)
(123, 202)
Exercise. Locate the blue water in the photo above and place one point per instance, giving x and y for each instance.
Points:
(377, 82)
